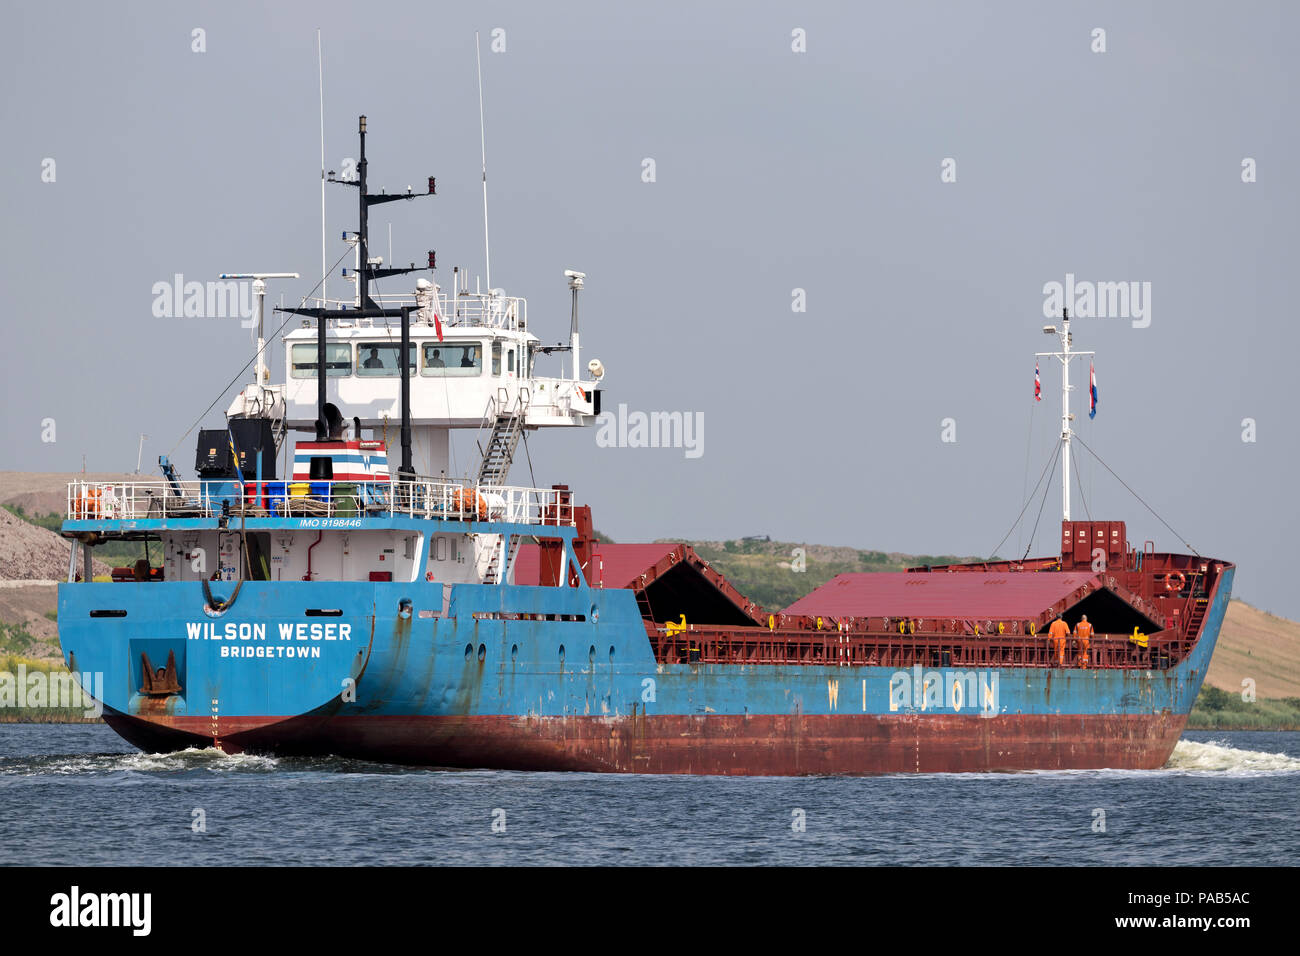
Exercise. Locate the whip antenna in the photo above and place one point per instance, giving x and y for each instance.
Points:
(482, 135)
(320, 79)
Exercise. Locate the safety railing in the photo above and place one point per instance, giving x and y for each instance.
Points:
(560, 397)
(427, 498)
(830, 648)
(477, 309)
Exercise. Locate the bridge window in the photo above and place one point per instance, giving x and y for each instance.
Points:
(496, 358)
(338, 360)
(379, 359)
(450, 361)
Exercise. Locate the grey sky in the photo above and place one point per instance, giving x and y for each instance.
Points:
(775, 170)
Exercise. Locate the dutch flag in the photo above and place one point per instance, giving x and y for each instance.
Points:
(1092, 391)
(1038, 385)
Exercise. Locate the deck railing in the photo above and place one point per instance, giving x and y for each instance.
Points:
(904, 651)
(428, 498)
(474, 309)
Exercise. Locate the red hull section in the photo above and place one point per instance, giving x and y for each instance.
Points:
(716, 744)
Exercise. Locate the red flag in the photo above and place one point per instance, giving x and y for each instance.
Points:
(437, 324)
(1038, 385)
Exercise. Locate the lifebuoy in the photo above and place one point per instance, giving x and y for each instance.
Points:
(428, 575)
(88, 504)
(464, 500)
(1175, 581)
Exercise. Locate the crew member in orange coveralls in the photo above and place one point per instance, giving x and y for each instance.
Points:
(1083, 634)
(1060, 635)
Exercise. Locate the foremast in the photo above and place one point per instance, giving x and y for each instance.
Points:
(1065, 356)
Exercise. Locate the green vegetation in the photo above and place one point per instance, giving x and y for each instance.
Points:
(765, 577)
(9, 666)
(773, 574)
(9, 662)
(1217, 709)
(50, 522)
(127, 553)
(14, 638)
(16, 643)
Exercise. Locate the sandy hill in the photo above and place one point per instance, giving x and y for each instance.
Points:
(39, 492)
(1260, 646)
(29, 553)
(31, 557)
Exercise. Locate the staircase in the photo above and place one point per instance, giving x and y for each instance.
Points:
(493, 573)
(507, 429)
(1196, 616)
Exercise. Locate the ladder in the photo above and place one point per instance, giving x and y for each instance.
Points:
(493, 573)
(507, 429)
(643, 602)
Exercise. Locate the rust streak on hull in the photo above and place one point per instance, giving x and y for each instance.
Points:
(716, 744)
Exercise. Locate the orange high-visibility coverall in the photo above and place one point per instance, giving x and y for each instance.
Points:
(1083, 633)
(1060, 634)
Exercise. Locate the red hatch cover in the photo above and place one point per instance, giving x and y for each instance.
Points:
(939, 594)
(612, 565)
(670, 578)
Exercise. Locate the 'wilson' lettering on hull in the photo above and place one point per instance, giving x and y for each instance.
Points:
(247, 631)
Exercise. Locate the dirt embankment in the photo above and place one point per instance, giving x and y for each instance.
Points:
(42, 492)
(1259, 646)
(29, 553)
(32, 558)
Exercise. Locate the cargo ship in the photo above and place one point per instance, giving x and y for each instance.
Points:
(311, 599)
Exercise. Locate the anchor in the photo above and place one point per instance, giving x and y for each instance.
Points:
(161, 682)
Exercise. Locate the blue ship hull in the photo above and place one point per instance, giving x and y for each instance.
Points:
(575, 685)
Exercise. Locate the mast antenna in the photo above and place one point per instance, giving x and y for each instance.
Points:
(482, 135)
(320, 79)
(260, 372)
(1065, 356)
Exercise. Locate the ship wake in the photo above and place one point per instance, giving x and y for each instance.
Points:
(129, 766)
(1217, 757)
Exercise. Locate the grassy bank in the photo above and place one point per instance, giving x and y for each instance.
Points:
(1217, 709)
(9, 665)
(45, 715)
(775, 574)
